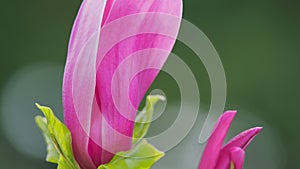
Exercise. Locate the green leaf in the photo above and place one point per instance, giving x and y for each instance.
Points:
(143, 119)
(58, 139)
(52, 154)
(142, 156)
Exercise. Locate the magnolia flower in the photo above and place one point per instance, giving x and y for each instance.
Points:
(230, 156)
(115, 52)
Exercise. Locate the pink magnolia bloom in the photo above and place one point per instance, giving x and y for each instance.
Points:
(100, 93)
(216, 156)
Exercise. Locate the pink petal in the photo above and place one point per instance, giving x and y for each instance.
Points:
(133, 46)
(121, 8)
(237, 156)
(94, 56)
(79, 78)
(215, 141)
(241, 140)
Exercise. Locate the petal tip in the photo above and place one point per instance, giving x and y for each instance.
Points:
(255, 130)
(230, 114)
(243, 139)
(258, 129)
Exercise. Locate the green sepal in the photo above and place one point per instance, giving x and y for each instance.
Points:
(142, 156)
(58, 139)
(52, 154)
(143, 119)
(59, 149)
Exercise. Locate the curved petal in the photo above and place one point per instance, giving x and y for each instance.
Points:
(241, 140)
(136, 38)
(82, 107)
(237, 156)
(79, 78)
(121, 8)
(215, 141)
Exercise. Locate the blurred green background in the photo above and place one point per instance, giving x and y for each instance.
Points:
(258, 42)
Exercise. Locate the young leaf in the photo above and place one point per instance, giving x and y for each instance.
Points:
(52, 154)
(58, 139)
(142, 156)
(143, 119)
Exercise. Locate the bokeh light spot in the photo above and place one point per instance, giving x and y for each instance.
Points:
(39, 82)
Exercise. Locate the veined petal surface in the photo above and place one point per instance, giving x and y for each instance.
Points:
(100, 96)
